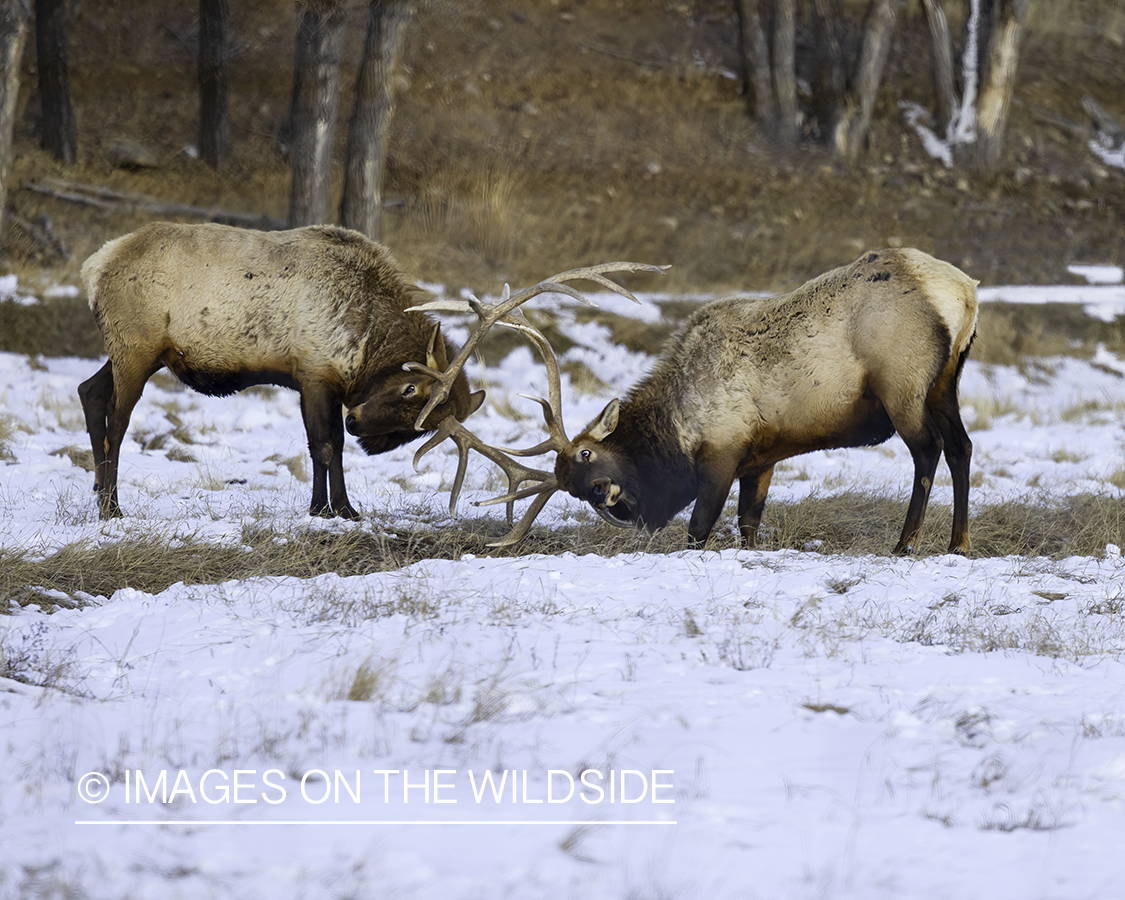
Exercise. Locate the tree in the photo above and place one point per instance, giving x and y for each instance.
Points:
(974, 126)
(369, 130)
(770, 83)
(58, 133)
(998, 84)
(852, 127)
(14, 18)
(769, 66)
(214, 77)
(312, 113)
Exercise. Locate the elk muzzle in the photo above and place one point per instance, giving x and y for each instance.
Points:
(603, 492)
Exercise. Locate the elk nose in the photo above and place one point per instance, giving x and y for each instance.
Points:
(599, 488)
(349, 423)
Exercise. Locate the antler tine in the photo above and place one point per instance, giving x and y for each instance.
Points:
(465, 440)
(557, 439)
(521, 529)
(552, 407)
(490, 315)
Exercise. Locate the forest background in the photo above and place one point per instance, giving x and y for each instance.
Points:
(528, 137)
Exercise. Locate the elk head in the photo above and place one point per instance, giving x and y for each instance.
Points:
(611, 468)
(387, 416)
(588, 469)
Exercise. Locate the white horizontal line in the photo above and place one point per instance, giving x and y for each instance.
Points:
(365, 822)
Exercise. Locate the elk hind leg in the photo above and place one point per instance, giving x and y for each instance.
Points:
(925, 445)
(95, 393)
(127, 388)
(752, 490)
(958, 453)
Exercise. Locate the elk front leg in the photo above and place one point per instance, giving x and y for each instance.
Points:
(716, 475)
(337, 493)
(324, 425)
(752, 490)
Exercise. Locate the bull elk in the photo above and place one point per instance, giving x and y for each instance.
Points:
(321, 310)
(845, 360)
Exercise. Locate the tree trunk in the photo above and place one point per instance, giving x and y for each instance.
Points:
(856, 120)
(828, 92)
(214, 77)
(14, 16)
(316, 94)
(369, 131)
(999, 82)
(58, 134)
(941, 60)
(785, 72)
(757, 81)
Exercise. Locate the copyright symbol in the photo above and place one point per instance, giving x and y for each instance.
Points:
(93, 787)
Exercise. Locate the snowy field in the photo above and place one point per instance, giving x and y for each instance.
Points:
(727, 724)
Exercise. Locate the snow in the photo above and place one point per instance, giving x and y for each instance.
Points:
(1098, 274)
(9, 292)
(1105, 300)
(1107, 153)
(771, 724)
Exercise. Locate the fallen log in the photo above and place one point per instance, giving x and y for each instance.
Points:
(108, 198)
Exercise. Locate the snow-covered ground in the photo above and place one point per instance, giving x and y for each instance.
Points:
(695, 725)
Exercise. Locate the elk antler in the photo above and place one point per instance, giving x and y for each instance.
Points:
(507, 314)
(490, 315)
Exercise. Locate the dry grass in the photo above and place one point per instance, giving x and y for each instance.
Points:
(8, 427)
(1010, 334)
(852, 524)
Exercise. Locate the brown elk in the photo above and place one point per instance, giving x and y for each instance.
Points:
(845, 360)
(321, 310)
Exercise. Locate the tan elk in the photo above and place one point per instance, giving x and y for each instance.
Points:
(845, 360)
(321, 310)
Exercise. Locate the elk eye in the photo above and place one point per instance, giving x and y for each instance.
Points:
(408, 390)
(584, 456)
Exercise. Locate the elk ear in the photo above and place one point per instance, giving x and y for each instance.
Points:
(435, 353)
(476, 398)
(603, 426)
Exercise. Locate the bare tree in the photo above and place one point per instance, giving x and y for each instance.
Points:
(973, 123)
(830, 81)
(14, 19)
(214, 77)
(312, 116)
(842, 106)
(853, 125)
(58, 133)
(1003, 54)
(770, 77)
(368, 133)
(941, 63)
